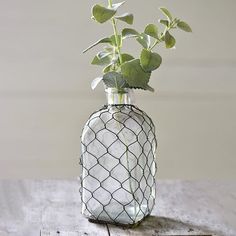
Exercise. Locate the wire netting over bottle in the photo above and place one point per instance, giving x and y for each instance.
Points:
(118, 165)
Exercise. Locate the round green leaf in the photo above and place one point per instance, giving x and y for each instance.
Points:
(101, 61)
(127, 17)
(129, 33)
(108, 68)
(135, 76)
(164, 22)
(166, 13)
(184, 26)
(169, 40)
(151, 30)
(149, 60)
(144, 40)
(126, 57)
(114, 80)
(102, 14)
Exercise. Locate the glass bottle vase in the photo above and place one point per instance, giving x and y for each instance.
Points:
(118, 162)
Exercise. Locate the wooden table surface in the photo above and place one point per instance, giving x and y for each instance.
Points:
(52, 208)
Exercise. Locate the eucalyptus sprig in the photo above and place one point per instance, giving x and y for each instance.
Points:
(122, 70)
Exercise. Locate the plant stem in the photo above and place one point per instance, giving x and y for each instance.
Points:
(116, 34)
(161, 38)
(154, 45)
(117, 39)
(110, 3)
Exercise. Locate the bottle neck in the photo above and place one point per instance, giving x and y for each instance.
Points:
(119, 97)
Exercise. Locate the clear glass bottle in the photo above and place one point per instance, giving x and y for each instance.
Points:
(118, 162)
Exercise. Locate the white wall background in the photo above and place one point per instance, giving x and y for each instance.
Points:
(45, 95)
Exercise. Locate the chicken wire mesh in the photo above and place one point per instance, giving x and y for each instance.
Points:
(118, 165)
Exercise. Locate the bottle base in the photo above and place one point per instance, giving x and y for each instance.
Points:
(128, 225)
(117, 214)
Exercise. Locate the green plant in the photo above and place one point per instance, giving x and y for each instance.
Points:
(122, 70)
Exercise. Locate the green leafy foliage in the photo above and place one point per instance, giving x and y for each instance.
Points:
(115, 6)
(107, 68)
(127, 17)
(114, 80)
(166, 13)
(135, 76)
(95, 82)
(104, 40)
(126, 57)
(184, 26)
(151, 30)
(165, 22)
(150, 61)
(115, 40)
(103, 54)
(169, 40)
(122, 70)
(129, 33)
(101, 61)
(144, 40)
(102, 14)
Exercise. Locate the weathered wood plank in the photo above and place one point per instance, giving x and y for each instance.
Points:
(183, 208)
(189, 208)
(30, 206)
(154, 226)
(60, 233)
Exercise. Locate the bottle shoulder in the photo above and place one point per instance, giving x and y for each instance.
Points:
(126, 115)
(126, 122)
